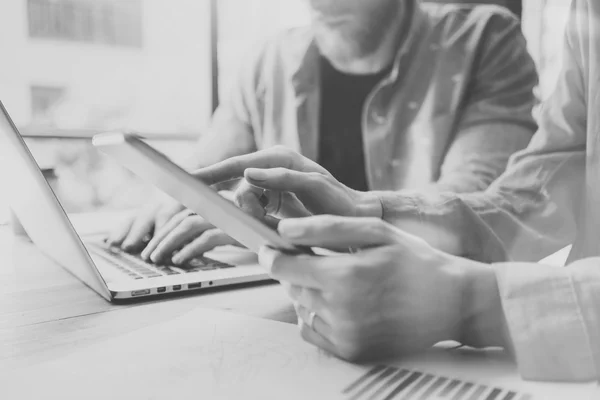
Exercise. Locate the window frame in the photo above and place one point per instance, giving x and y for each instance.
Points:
(55, 133)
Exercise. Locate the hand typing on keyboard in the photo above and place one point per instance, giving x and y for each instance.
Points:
(137, 268)
(183, 238)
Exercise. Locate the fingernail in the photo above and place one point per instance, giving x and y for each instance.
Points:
(177, 260)
(145, 254)
(154, 257)
(256, 174)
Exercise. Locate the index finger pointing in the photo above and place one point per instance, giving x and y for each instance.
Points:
(234, 167)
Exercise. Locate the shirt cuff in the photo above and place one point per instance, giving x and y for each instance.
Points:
(549, 334)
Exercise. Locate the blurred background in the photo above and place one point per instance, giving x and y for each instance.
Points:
(73, 68)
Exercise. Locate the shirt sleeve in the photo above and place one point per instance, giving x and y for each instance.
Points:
(553, 316)
(552, 313)
(496, 117)
(531, 210)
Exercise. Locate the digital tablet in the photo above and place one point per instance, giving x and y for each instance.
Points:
(153, 166)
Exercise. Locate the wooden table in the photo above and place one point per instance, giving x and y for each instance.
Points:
(45, 310)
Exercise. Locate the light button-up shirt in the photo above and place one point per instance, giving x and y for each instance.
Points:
(457, 102)
(548, 198)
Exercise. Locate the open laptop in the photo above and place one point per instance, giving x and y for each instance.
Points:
(109, 271)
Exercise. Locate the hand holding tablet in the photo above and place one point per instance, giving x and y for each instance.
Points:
(196, 194)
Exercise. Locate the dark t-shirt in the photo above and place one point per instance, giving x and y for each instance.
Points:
(341, 149)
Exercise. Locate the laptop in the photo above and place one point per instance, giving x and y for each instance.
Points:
(111, 272)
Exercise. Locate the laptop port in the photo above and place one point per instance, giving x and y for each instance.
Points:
(161, 289)
(142, 292)
(176, 287)
(195, 285)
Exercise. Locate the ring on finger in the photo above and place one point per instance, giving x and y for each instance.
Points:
(312, 320)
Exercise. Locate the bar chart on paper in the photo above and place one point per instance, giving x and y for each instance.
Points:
(390, 383)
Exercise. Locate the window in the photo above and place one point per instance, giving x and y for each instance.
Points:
(110, 22)
(54, 65)
(73, 68)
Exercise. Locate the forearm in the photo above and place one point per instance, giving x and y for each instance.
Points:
(525, 215)
(444, 220)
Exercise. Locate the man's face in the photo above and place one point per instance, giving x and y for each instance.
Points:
(347, 29)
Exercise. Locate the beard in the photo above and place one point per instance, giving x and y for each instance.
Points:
(343, 34)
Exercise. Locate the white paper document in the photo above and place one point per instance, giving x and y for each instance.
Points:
(208, 354)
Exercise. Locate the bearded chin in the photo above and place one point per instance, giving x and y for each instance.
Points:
(355, 39)
(342, 45)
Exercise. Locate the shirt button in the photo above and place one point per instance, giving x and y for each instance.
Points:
(413, 105)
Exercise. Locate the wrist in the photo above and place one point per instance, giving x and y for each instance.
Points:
(482, 317)
(369, 205)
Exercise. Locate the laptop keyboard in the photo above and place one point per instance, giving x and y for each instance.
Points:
(137, 268)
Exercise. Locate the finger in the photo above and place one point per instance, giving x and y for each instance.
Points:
(166, 212)
(319, 325)
(291, 207)
(283, 179)
(304, 270)
(257, 201)
(251, 199)
(181, 235)
(309, 298)
(234, 167)
(313, 190)
(271, 222)
(205, 242)
(117, 237)
(141, 228)
(313, 337)
(342, 232)
(163, 232)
